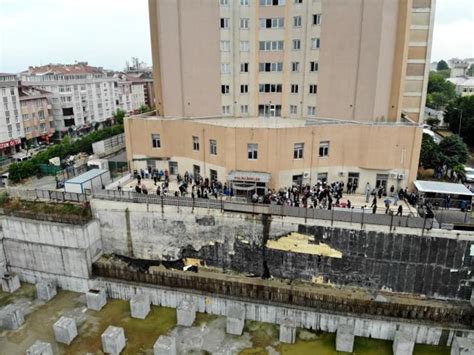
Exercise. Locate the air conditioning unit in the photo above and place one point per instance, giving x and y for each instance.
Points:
(306, 175)
(401, 176)
(393, 175)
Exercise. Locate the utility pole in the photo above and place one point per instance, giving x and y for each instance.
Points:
(460, 121)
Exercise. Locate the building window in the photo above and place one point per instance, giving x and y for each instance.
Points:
(297, 21)
(298, 151)
(269, 88)
(324, 148)
(226, 110)
(244, 2)
(313, 89)
(224, 23)
(294, 88)
(244, 46)
(313, 66)
(297, 2)
(293, 109)
(296, 44)
(213, 174)
(244, 67)
(311, 110)
(244, 89)
(155, 141)
(224, 2)
(225, 46)
(272, 2)
(317, 19)
(212, 146)
(195, 143)
(269, 67)
(252, 151)
(225, 89)
(271, 46)
(278, 22)
(225, 68)
(244, 23)
(295, 66)
(244, 109)
(315, 43)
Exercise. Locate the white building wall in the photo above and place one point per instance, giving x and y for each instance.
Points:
(11, 121)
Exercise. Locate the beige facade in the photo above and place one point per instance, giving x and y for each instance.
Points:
(295, 78)
(36, 110)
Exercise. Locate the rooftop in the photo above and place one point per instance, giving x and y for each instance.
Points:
(442, 188)
(65, 69)
(87, 176)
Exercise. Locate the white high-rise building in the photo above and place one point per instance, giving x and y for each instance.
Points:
(82, 95)
(11, 122)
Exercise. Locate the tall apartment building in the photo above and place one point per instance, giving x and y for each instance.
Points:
(37, 114)
(11, 123)
(130, 93)
(292, 90)
(82, 95)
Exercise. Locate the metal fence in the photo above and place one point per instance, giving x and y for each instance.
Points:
(360, 216)
(52, 195)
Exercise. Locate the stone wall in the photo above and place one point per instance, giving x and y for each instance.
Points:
(52, 248)
(436, 263)
(3, 261)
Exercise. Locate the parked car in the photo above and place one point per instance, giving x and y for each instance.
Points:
(469, 172)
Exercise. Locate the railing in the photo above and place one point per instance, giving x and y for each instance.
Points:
(38, 194)
(359, 216)
(265, 292)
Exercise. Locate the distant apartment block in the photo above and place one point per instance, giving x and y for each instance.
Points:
(130, 93)
(11, 123)
(82, 95)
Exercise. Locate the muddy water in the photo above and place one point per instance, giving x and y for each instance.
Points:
(206, 336)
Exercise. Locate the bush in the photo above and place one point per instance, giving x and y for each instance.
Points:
(3, 198)
(22, 170)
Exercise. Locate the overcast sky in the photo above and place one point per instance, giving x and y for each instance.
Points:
(108, 32)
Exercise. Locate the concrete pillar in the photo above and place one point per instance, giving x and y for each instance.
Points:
(140, 306)
(345, 338)
(288, 330)
(403, 343)
(12, 317)
(462, 346)
(235, 318)
(186, 312)
(96, 299)
(65, 330)
(113, 340)
(10, 283)
(165, 345)
(46, 290)
(40, 348)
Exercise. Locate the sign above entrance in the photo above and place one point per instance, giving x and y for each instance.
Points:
(249, 176)
(10, 143)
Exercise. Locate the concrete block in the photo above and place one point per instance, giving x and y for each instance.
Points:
(65, 330)
(186, 312)
(165, 345)
(462, 346)
(96, 299)
(403, 343)
(288, 330)
(139, 306)
(12, 317)
(46, 290)
(113, 340)
(345, 338)
(10, 283)
(40, 348)
(235, 319)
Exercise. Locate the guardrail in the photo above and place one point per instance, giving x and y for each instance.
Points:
(360, 216)
(39, 194)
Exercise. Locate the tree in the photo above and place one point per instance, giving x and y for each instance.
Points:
(144, 108)
(442, 65)
(440, 91)
(429, 154)
(470, 71)
(433, 121)
(461, 112)
(119, 115)
(453, 151)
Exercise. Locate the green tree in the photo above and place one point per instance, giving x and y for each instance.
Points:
(440, 91)
(470, 71)
(429, 154)
(453, 151)
(461, 112)
(144, 108)
(442, 65)
(433, 121)
(119, 115)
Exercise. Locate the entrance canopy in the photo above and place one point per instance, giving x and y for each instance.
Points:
(248, 176)
(444, 188)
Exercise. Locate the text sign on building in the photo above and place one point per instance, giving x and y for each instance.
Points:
(10, 143)
(247, 178)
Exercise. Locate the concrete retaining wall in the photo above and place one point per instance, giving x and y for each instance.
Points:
(3, 260)
(54, 248)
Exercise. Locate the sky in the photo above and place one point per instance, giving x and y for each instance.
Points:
(108, 32)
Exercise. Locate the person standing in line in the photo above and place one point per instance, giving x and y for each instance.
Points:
(400, 210)
(367, 193)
